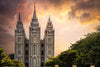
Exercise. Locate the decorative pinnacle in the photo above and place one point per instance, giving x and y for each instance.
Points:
(49, 18)
(34, 15)
(19, 16)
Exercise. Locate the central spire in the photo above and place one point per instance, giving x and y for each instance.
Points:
(19, 18)
(49, 18)
(34, 14)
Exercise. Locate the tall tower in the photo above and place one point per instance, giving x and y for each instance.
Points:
(49, 40)
(19, 40)
(34, 42)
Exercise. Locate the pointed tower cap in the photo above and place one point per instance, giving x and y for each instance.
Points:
(19, 18)
(34, 14)
(49, 20)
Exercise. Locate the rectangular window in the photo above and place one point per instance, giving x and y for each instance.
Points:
(42, 64)
(19, 58)
(35, 62)
(42, 53)
(42, 59)
(49, 52)
(26, 52)
(26, 45)
(42, 45)
(26, 64)
(34, 38)
(19, 39)
(19, 52)
(19, 46)
(49, 40)
(34, 50)
(26, 59)
(49, 46)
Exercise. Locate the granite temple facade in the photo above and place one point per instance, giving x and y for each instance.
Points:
(34, 52)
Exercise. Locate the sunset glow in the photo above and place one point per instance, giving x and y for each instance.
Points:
(72, 19)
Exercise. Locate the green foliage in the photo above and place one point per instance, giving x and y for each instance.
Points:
(2, 53)
(18, 63)
(98, 28)
(53, 61)
(88, 49)
(83, 53)
(11, 56)
(67, 58)
(63, 59)
(8, 60)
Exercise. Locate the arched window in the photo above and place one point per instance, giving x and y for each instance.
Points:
(19, 58)
(34, 38)
(49, 52)
(49, 46)
(19, 46)
(49, 40)
(19, 39)
(49, 49)
(26, 59)
(34, 50)
(42, 52)
(26, 52)
(34, 62)
(19, 52)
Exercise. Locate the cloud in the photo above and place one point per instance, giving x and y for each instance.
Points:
(10, 7)
(5, 36)
(86, 15)
(6, 40)
(85, 11)
(99, 19)
(8, 10)
(2, 30)
(59, 2)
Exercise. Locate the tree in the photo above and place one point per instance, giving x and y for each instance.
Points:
(11, 56)
(98, 28)
(18, 63)
(88, 49)
(65, 59)
(53, 61)
(84, 53)
(2, 53)
(8, 60)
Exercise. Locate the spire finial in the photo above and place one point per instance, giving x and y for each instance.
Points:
(49, 18)
(34, 15)
(34, 3)
(19, 16)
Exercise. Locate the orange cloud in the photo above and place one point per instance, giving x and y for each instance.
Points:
(66, 30)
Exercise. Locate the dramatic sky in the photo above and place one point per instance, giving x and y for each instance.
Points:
(72, 19)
